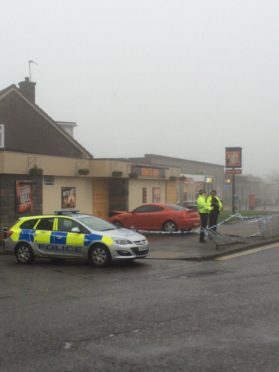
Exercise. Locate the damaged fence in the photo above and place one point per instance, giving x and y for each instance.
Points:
(239, 229)
(236, 229)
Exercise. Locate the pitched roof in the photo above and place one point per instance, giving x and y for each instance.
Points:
(13, 88)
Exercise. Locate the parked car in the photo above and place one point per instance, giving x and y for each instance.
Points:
(73, 235)
(192, 204)
(157, 216)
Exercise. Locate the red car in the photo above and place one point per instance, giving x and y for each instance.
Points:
(157, 216)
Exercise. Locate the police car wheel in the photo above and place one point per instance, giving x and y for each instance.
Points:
(169, 226)
(24, 254)
(99, 255)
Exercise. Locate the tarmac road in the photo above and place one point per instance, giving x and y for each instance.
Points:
(152, 315)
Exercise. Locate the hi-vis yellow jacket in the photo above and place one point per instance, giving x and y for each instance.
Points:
(203, 205)
(215, 205)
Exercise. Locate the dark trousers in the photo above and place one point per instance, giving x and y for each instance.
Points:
(204, 220)
(213, 220)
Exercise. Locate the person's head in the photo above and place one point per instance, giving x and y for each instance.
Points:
(202, 192)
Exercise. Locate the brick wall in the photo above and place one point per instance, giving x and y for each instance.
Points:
(8, 214)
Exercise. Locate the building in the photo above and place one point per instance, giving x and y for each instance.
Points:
(193, 175)
(43, 168)
(120, 184)
(39, 161)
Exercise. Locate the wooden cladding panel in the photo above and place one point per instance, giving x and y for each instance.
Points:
(171, 192)
(100, 197)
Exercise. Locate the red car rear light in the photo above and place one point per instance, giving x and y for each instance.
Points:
(190, 213)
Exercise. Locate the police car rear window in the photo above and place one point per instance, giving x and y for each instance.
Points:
(45, 224)
(29, 224)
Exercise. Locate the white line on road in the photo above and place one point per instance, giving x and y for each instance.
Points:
(250, 251)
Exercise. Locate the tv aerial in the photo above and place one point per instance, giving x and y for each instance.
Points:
(30, 62)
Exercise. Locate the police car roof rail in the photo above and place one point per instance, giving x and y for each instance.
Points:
(67, 211)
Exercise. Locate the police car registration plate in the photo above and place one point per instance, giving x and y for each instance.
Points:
(142, 248)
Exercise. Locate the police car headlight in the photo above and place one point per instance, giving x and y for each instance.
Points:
(122, 241)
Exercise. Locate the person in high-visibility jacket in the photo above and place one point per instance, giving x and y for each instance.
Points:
(204, 209)
(216, 206)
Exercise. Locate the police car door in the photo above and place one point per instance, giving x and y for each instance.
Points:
(42, 236)
(68, 243)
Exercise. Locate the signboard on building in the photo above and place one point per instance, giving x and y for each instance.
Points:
(24, 201)
(156, 195)
(68, 197)
(150, 172)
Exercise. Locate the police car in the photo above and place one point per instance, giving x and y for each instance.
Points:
(73, 235)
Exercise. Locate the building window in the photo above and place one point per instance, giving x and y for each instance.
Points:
(144, 194)
(48, 180)
(2, 136)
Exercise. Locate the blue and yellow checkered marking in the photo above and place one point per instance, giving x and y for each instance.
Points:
(27, 235)
(56, 237)
(89, 238)
(42, 237)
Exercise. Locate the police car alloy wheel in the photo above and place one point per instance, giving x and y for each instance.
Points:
(24, 254)
(99, 255)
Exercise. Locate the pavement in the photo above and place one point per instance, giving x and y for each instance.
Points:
(231, 238)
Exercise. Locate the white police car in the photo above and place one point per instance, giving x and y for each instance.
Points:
(73, 235)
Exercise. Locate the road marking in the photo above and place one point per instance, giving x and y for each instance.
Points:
(245, 253)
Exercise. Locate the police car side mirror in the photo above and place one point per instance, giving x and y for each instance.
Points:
(75, 230)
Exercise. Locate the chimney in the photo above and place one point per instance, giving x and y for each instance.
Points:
(27, 88)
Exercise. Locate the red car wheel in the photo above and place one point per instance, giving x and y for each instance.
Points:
(169, 226)
(118, 224)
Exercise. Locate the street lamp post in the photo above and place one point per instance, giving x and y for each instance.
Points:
(233, 193)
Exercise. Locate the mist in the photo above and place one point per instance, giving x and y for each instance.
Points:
(177, 78)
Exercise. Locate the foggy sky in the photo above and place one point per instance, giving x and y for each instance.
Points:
(182, 78)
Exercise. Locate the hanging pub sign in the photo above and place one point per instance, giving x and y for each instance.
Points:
(233, 167)
(233, 157)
